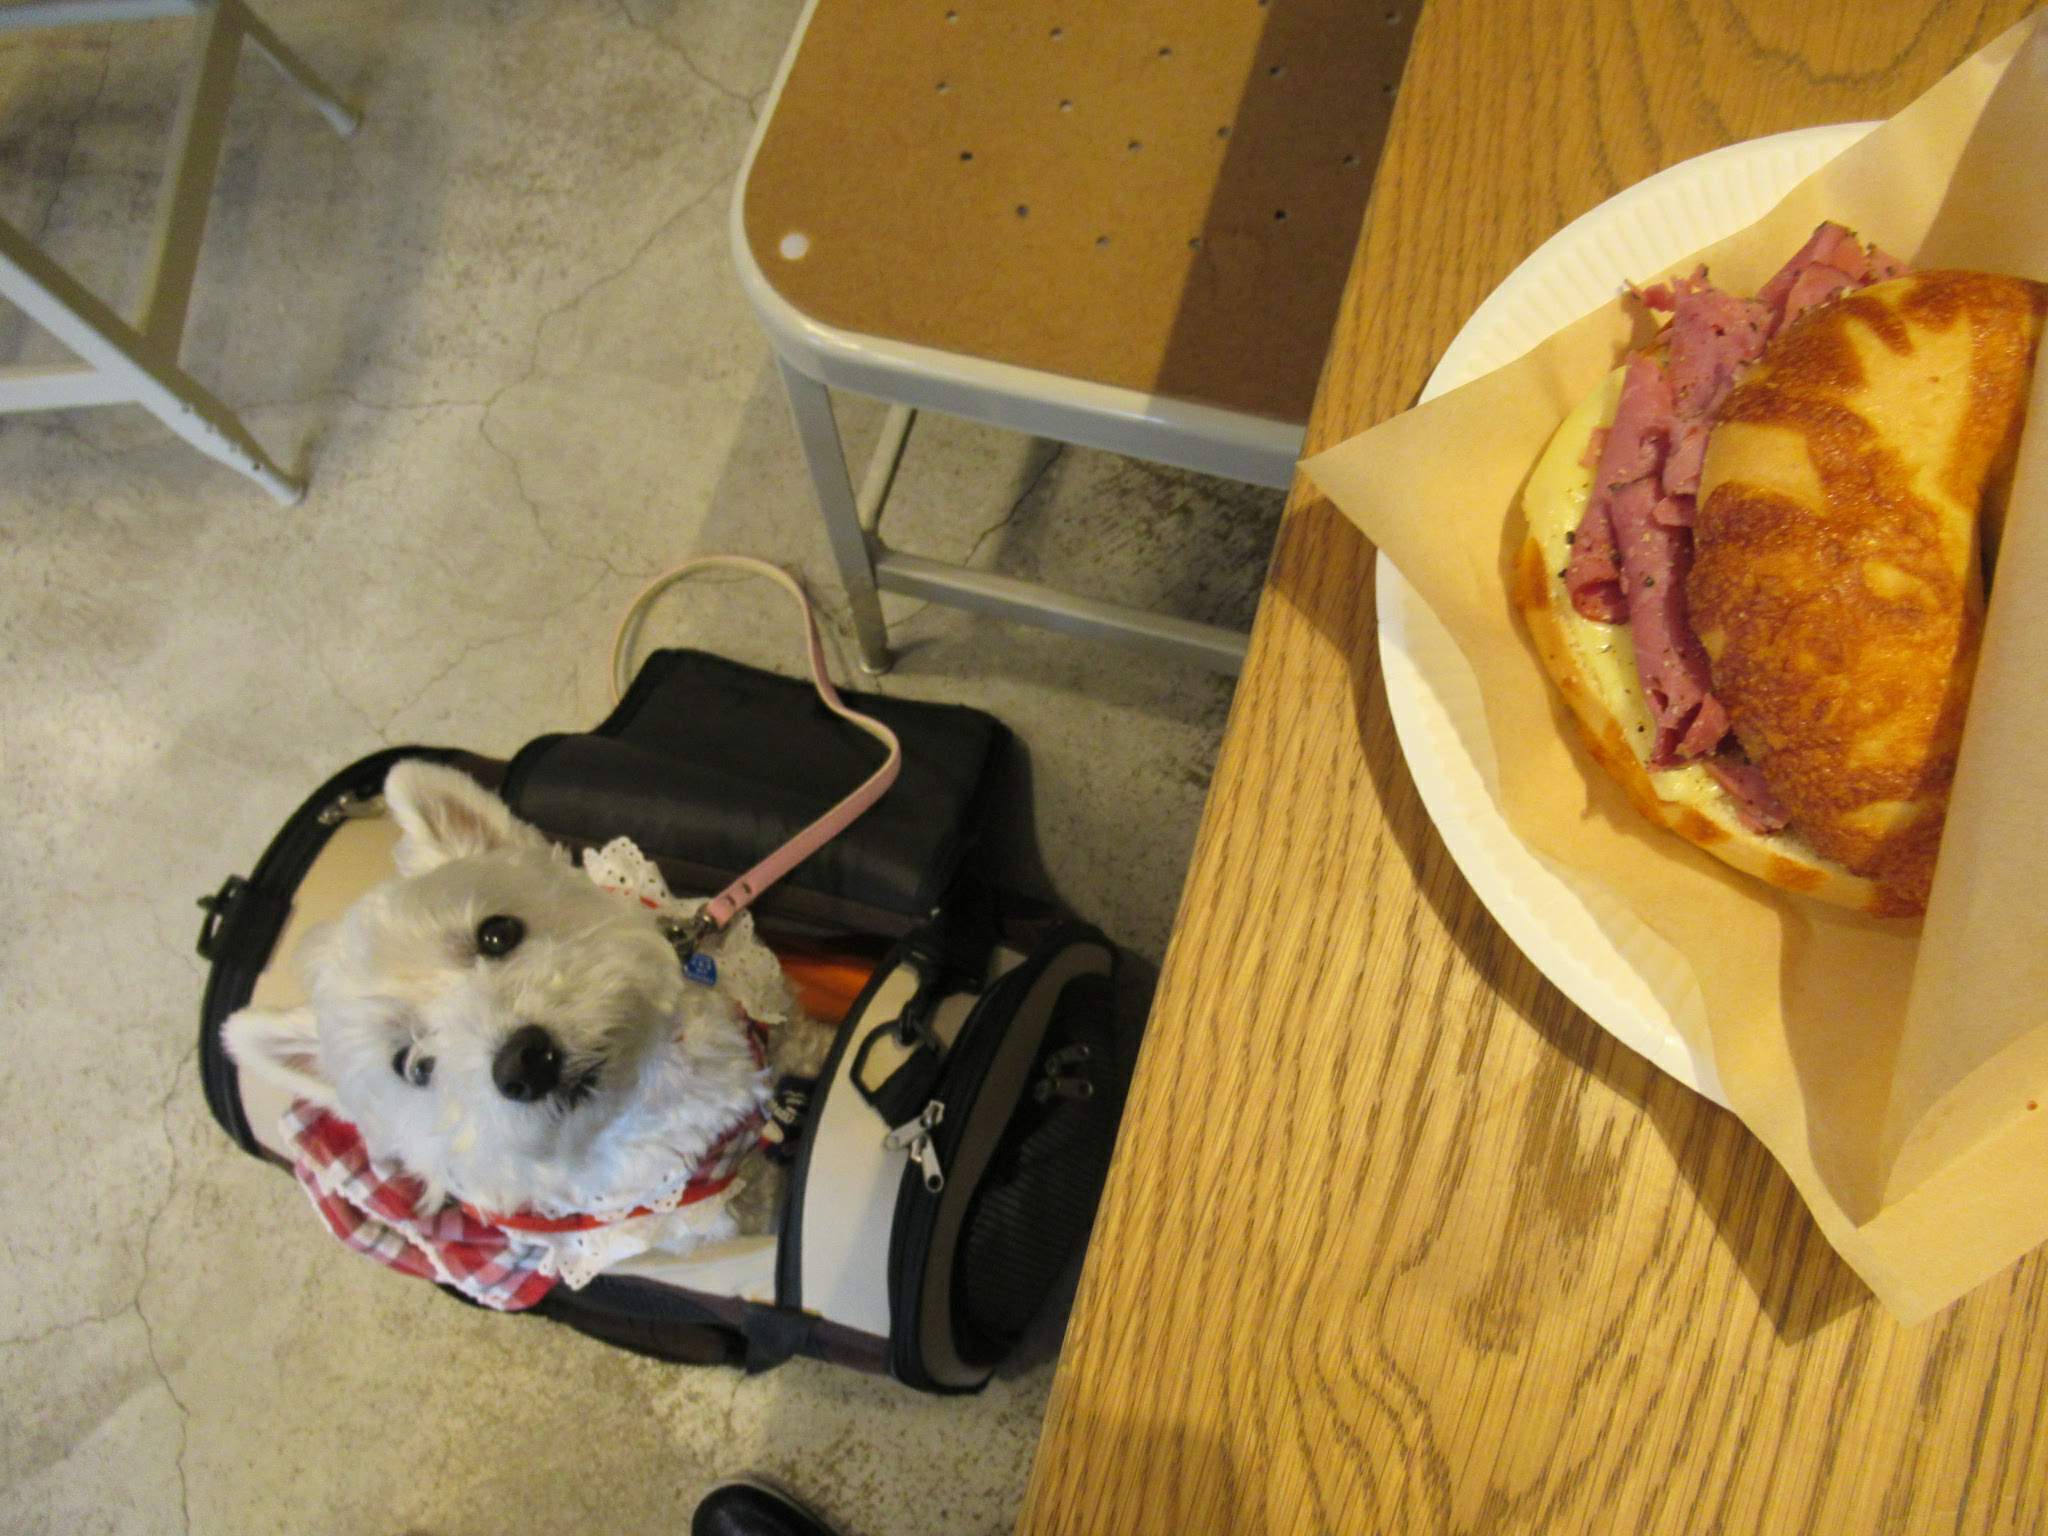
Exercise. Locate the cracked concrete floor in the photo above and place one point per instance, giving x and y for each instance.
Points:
(501, 330)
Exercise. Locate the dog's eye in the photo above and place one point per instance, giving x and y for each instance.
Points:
(417, 1070)
(499, 935)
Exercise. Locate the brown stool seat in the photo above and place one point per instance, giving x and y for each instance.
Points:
(1158, 195)
(1154, 204)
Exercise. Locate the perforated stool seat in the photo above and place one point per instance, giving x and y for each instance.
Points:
(1126, 228)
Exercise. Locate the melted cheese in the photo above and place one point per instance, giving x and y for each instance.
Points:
(1555, 501)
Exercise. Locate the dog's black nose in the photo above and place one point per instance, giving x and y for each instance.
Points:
(528, 1065)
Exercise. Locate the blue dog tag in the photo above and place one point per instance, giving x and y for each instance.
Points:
(701, 968)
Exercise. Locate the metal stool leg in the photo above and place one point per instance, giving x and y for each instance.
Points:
(126, 365)
(316, 91)
(811, 406)
(175, 398)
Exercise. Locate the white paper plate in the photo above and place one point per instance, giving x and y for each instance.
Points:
(1630, 982)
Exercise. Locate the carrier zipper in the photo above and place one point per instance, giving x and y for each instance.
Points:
(1065, 1075)
(910, 1232)
(962, 1080)
(915, 1137)
(789, 1272)
(350, 806)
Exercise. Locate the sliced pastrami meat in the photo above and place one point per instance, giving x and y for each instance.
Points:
(1632, 452)
(1633, 545)
(1756, 807)
(1671, 664)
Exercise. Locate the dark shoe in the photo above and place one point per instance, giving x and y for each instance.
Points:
(744, 1507)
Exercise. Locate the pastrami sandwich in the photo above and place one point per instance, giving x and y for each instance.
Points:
(1758, 554)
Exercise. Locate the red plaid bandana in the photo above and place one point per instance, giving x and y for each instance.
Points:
(375, 1210)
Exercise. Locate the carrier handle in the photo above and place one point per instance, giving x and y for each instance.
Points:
(736, 897)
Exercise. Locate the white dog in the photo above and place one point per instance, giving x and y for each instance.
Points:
(514, 1035)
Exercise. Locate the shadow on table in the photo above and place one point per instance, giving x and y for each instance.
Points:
(1159, 1476)
(1800, 1283)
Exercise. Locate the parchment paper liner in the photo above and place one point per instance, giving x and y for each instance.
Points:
(1892, 1067)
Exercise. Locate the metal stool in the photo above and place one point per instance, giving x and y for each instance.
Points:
(1122, 227)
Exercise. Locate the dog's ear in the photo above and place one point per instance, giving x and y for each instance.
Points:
(444, 814)
(282, 1047)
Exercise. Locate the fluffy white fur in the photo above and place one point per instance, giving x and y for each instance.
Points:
(400, 977)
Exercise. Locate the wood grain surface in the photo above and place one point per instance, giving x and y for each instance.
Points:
(1396, 1238)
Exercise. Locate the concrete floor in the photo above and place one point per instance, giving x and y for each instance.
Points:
(501, 330)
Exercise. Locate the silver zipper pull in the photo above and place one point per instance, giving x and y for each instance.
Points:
(915, 1137)
(350, 806)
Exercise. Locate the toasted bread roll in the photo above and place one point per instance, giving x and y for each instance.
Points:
(1593, 665)
(1853, 488)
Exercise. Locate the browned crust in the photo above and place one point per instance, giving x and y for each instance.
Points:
(1851, 698)
(1538, 595)
(1793, 875)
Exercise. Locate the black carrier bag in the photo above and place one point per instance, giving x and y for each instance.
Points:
(948, 1164)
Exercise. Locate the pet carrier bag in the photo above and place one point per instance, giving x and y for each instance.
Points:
(947, 1164)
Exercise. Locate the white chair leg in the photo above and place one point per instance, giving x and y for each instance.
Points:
(811, 406)
(177, 400)
(316, 91)
(116, 351)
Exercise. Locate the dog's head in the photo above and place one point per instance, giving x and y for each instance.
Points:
(485, 1015)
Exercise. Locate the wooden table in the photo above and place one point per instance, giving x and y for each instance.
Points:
(1396, 1238)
